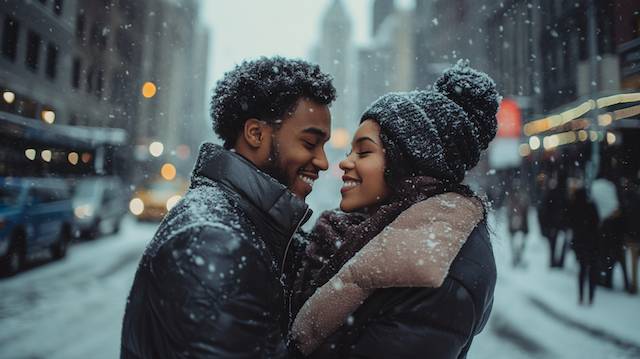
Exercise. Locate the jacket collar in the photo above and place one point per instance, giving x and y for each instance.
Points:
(284, 211)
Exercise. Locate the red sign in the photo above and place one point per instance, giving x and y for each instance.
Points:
(509, 119)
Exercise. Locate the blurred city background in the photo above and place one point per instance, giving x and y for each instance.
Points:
(104, 104)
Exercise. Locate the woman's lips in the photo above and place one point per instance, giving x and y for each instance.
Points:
(349, 185)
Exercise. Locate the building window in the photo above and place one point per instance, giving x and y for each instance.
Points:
(52, 61)
(57, 7)
(33, 50)
(90, 75)
(75, 73)
(80, 27)
(100, 82)
(10, 38)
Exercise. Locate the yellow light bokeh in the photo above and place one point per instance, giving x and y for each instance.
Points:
(340, 138)
(524, 150)
(149, 89)
(168, 171)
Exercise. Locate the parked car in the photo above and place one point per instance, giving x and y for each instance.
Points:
(36, 215)
(153, 199)
(99, 204)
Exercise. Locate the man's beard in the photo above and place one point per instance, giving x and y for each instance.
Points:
(273, 168)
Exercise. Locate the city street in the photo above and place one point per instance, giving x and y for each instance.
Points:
(73, 308)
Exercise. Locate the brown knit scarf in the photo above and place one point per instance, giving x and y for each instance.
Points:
(338, 236)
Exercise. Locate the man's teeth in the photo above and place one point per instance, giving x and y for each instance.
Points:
(306, 180)
(351, 183)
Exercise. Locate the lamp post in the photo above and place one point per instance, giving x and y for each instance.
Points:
(594, 163)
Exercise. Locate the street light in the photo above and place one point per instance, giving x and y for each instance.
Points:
(156, 148)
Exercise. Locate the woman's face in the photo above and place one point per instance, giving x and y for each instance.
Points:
(364, 186)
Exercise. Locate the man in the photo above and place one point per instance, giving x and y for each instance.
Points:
(209, 283)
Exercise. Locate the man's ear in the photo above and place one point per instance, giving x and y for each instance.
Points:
(254, 132)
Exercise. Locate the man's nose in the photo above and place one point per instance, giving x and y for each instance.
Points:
(320, 161)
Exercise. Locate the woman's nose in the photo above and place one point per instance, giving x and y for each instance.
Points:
(346, 164)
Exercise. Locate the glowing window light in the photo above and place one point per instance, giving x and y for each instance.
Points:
(73, 158)
(48, 116)
(46, 155)
(9, 97)
(30, 153)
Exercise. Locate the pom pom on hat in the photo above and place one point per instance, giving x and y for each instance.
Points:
(438, 133)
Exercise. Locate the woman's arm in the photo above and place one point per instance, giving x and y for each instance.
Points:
(415, 250)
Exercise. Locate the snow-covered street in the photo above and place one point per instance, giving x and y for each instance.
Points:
(73, 308)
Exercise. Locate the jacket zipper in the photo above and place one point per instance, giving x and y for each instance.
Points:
(286, 251)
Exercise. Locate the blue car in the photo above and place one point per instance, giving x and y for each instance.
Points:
(36, 215)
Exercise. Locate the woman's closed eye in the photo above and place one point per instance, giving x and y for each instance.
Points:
(309, 145)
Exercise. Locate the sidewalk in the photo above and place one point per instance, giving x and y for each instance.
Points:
(614, 318)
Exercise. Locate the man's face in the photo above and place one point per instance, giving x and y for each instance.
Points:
(297, 154)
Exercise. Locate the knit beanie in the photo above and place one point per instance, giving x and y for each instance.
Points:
(440, 132)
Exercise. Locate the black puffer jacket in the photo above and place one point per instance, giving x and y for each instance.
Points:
(423, 322)
(209, 284)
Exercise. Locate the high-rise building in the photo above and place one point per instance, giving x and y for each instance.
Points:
(335, 55)
(35, 60)
(381, 10)
(387, 64)
(139, 66)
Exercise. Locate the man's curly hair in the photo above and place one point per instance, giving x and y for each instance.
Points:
(268, 89)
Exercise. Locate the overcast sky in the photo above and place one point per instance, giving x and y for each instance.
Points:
(244, 29)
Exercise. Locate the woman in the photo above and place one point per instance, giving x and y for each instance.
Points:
(406, 270)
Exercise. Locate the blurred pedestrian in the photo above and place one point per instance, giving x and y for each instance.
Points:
(551, 216)
(517, 214)
(583, 220)
(630, 207)
(612, 231)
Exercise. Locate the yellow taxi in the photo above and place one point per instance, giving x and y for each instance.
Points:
(153, 199)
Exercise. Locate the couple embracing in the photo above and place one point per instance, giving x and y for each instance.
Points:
(404, 269)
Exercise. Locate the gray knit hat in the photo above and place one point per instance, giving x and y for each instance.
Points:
(438, 133)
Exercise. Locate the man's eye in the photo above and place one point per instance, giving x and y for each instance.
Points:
(363, 153)
(308, 144)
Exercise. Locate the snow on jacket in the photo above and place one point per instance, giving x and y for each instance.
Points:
(415, 250)
(208, 284)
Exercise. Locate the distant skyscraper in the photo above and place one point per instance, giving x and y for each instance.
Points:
(335, 55)
(387, 64)
(381, 9)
